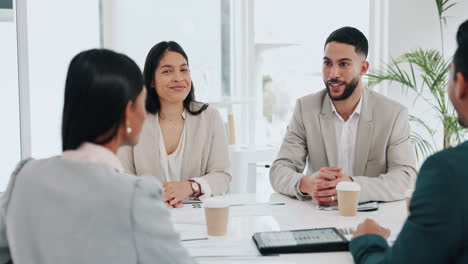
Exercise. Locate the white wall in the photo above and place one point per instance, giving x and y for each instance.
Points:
(135, 27)
(408, 30)
(10, 151)
(414, 24)
(57, 30)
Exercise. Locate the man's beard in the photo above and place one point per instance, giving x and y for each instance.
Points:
(461, 120)
(348, 91)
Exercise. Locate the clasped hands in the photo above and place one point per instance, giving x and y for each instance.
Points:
(321, 185)
(176, 192)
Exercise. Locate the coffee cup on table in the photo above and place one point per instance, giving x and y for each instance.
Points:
(348, 197)
(216, 215)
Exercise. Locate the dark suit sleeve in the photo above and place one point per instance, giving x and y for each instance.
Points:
(432, 233)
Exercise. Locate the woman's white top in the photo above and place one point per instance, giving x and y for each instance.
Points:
(171, 164)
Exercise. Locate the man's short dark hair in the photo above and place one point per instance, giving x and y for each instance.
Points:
(462, 34)
(460, 60)
(351, 36)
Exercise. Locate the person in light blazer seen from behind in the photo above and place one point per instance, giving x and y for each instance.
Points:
(183, 142)
(80, 207)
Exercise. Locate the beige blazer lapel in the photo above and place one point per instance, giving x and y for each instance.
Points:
(364, 135)
(189, 136)
(152, 138)
(328, 131)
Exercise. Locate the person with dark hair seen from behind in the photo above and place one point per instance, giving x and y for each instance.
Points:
(345, 133)
(80, 207)
(462, 34)
(183, 142)
(435, 231)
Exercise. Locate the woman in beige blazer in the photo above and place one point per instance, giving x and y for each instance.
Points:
(183, 142)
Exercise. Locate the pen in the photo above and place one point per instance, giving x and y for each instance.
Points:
(253, 204)
(191, 201)
(194, 239)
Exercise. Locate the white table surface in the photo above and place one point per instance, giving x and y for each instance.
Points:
(244, 221)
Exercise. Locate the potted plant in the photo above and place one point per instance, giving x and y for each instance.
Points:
(426, 73)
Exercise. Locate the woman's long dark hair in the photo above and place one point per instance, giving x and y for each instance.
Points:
(153, 105)
(99, 85)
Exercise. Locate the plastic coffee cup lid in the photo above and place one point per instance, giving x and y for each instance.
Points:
(348, 186)
(214, 203)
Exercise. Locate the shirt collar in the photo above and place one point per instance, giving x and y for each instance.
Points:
(93, 153)
(356, 111)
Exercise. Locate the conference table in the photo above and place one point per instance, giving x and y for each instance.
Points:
(252, 213)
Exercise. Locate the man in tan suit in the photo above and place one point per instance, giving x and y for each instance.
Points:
(345, 133)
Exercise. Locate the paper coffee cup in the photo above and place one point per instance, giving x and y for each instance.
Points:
(408, 195)
(348, 198)
(217, 215)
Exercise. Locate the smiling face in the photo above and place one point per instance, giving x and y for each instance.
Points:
(172, 79)
(342, 70)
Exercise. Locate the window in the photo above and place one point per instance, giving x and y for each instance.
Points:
(10, 152)
(134, 28)
(289, 39)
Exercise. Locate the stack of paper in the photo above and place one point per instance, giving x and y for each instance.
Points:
(222, 248)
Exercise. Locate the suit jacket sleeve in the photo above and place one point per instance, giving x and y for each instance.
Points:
(154, 234)
(287, 170)
(433, 231)
(400, 163)
(126, 157)
(218, 173)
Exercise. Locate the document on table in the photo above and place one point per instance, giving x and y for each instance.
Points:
(243, 260)
(190, 231)
(194, 214)
(189, 214)
(222, 247)
(189, 221)
(255, 209)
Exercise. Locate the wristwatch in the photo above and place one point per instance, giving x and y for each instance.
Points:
(195, 188)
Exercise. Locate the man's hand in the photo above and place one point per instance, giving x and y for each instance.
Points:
(175, 192)
(369, 226)
(177, 205)
(322, 185)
